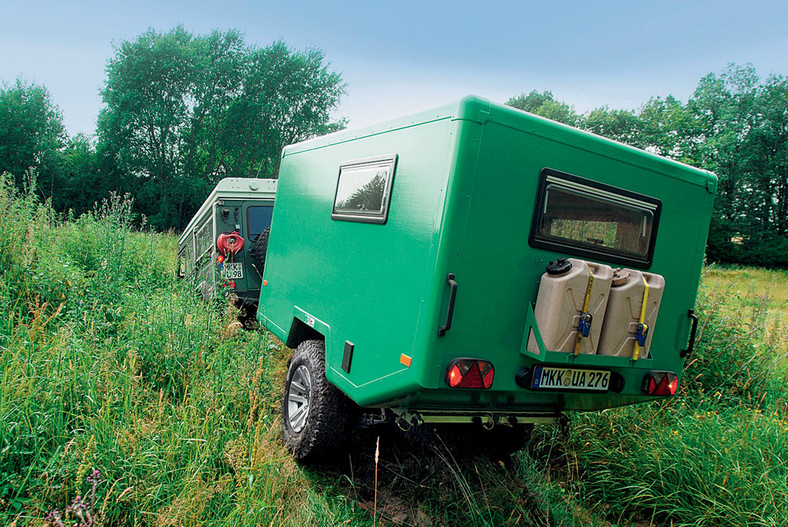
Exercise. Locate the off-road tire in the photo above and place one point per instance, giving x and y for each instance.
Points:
(247, 315)
(259, 249)
(323, 431)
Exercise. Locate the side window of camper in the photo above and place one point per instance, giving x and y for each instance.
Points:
(584, 217)
(185, 259)
(204, 238)
(258, 219)
(364, 190)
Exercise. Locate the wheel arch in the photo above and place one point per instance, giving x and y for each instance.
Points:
(300, 331)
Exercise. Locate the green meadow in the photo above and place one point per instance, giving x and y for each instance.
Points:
(127, 401)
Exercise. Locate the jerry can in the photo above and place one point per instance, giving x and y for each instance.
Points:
(570, 305)
(631, 315)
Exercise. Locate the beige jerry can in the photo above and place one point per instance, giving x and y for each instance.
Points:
(571, 300)
(628, 327)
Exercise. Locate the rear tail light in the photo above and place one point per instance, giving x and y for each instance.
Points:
(470, 373)
(660, 383)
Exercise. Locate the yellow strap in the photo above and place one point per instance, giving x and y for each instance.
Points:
(585, 307)
(642, 319)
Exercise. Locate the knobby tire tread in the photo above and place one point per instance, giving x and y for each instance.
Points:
(325, 431)
(259, 250)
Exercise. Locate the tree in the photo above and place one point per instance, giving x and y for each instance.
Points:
(287, 97)
(79, 180)
(734, 125)
(31, 132)
(768, 140)
(761, 203)
(545, 105)
(722, 105)
(145, 123)
(183, 111)
(624, 126)
(668, 129)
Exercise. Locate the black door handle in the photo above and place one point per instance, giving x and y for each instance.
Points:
(691, 347)
(450, 312)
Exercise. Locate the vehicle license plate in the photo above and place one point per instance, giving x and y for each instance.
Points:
(549, 378)
(233, 271)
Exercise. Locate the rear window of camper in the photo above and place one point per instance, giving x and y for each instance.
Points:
(364, 190)
(586, 218)
(259, 218)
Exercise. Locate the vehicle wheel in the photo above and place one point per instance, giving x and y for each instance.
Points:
(314, 412)
(259, 249)
(247, 315)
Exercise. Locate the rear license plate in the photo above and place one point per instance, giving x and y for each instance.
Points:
(550, 378)
(233, 271)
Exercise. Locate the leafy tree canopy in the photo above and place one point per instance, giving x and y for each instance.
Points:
(183, 111)
(31, 130)
(545, 105)
(736, 125)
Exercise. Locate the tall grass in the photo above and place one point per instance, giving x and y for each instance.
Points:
(109, 363)
(717, 455)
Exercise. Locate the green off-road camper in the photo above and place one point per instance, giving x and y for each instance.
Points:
(481, 268)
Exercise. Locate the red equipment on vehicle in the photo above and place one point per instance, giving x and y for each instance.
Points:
(230, 243)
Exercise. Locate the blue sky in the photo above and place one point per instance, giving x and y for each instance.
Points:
(402, 57)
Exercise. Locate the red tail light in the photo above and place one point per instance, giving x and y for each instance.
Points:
(470, 373)
(660, 383)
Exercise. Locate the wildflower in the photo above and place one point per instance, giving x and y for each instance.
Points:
(55, 517)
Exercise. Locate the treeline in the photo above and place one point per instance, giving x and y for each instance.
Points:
(736, 125)
(182, 111)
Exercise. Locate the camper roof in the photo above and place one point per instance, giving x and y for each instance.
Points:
(480, 110)
(234, 188)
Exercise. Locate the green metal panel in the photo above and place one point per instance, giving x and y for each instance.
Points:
(498, 272)
(366, 282)
(462, 202)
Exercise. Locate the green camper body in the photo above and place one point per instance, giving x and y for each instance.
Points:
(466, 180)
